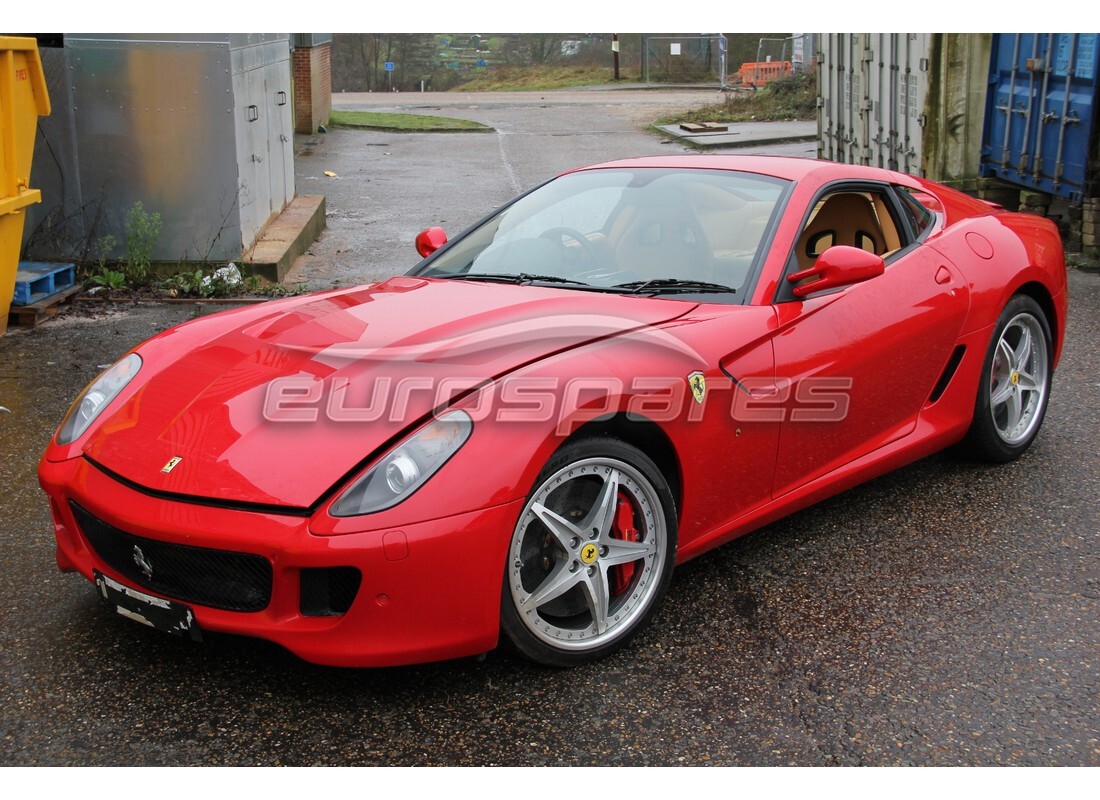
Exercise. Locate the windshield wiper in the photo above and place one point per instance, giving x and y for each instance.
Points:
(673, 285)
(519, 278)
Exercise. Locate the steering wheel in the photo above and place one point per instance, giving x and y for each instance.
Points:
(560, 232)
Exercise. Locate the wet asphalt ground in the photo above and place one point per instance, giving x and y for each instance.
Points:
(945, 614)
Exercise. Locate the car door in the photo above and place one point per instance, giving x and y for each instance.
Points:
(854, 366)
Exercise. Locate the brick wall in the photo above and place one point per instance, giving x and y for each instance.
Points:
(312, 87)
(1090, 228)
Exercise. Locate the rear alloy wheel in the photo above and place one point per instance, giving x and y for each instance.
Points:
(591, 554)
(1015, 384)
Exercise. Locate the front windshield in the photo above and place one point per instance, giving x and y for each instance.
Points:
(616, 228)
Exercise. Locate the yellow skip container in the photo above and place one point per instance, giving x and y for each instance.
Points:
(23, 99)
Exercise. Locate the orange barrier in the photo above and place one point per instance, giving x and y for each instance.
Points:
(759, 73)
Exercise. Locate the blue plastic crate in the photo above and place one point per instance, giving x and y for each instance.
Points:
(37, 280)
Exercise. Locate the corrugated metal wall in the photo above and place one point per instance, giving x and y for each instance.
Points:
(903, 101)
(872, 89)
(1041, 110)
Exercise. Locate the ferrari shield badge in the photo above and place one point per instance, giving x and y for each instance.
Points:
(698, 383)
(171, 465)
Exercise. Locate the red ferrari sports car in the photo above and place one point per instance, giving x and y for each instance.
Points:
(619, 370)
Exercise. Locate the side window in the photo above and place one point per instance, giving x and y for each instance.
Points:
(919, 217)
(856, 218)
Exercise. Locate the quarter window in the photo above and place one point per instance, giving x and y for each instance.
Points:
(918, 216)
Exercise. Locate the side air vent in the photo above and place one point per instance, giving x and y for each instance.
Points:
(948, 373)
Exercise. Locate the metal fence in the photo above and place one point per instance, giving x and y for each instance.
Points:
(685, 60)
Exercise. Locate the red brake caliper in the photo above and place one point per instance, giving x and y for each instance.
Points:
(623, 528)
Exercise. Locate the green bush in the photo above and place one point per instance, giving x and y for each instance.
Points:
(142, 231)
(109, 279)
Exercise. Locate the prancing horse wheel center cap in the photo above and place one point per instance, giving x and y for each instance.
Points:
(589, 553)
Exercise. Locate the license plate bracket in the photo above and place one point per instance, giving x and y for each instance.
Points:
(156, 612)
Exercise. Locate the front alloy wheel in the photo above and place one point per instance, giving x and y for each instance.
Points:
(591, 554)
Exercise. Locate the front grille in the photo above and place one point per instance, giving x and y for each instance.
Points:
(214, 578)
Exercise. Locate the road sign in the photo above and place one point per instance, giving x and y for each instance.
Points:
(388, 66)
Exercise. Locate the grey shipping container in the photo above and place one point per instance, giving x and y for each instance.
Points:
(912, 102)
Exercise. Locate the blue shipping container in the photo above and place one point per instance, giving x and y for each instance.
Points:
(1040, 110)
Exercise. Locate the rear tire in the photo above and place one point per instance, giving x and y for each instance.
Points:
(1015, 384)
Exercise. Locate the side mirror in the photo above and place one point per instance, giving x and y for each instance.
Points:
(427, 242)
(838, 266)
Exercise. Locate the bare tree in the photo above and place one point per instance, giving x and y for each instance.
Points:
(541, 48)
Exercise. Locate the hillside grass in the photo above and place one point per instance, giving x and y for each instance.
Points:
(539, 78)
(793, 98)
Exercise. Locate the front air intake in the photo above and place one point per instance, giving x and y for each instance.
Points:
(216, 578)
(329, 591)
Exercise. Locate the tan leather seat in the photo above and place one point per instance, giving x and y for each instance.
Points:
(845, 218)
(664, 239)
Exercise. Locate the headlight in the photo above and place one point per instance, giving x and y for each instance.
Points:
(405, 468)
(97, 397)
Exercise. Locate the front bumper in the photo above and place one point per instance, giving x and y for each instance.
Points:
(429, 592)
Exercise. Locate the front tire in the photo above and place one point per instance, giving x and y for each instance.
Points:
(1015, 384)
(591, 554)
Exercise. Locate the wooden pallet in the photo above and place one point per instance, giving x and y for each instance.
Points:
(29, 316)
(38, 280)
(704, 127)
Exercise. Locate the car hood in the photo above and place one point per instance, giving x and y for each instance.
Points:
(277, 408)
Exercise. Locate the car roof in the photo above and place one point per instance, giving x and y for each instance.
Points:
(787, 167)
